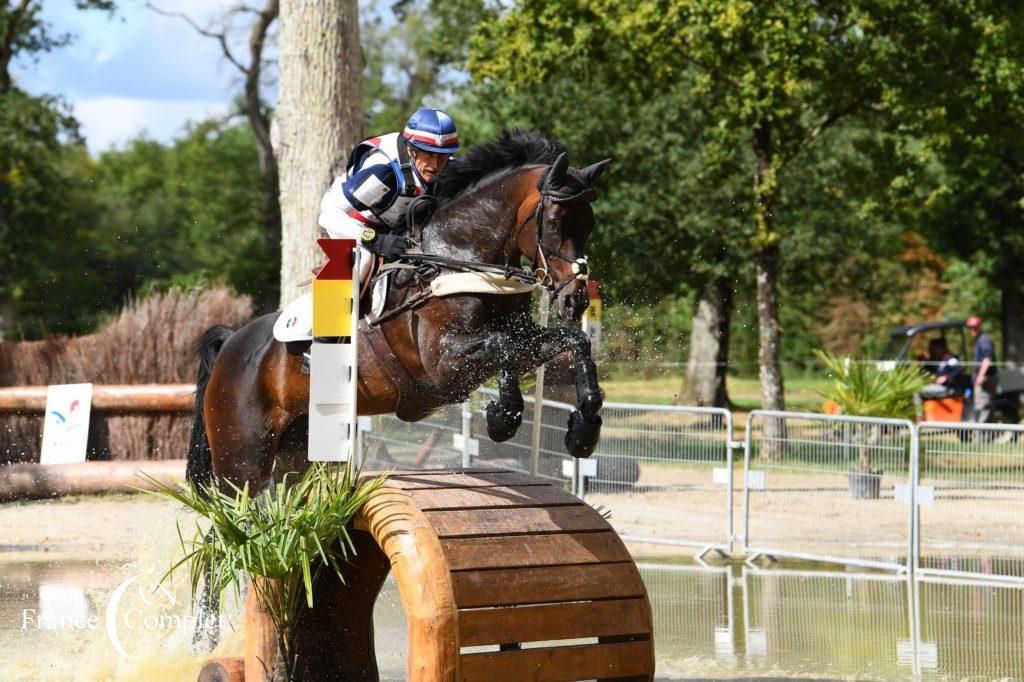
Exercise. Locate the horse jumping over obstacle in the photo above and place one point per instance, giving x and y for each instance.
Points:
(512, 198)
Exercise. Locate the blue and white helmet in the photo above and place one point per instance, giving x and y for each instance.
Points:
(431, 130)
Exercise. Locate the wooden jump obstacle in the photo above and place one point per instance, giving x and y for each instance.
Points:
(486, 560)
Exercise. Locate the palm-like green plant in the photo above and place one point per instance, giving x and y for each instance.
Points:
(861, 389)
(282, 538)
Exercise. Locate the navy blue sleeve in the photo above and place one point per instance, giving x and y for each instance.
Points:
(372, 188)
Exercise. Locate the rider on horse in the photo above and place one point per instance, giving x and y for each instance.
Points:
(384, 176)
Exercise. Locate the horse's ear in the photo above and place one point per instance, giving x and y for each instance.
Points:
(558, 169)
(593, 172)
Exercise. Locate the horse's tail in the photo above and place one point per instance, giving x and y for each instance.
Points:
(199, 469)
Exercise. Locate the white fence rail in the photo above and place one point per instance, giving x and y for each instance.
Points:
(970, 494)
(828, 488)
(941, 499)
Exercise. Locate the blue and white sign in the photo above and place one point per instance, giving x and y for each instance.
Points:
(66, 425)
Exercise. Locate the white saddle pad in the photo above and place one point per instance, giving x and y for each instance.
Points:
(477, 283)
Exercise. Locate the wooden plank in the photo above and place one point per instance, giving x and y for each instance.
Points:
(511, 586)
(560, 664)
(107, 398)
(497, 496)
(545, 622)
(481, 522)
(473, 480)
(510, 551)
(36, 481)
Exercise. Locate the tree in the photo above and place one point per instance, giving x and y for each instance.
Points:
(965, 189)
(320, 113)
(35, 133)
(253, 69)
(777, 75)
(180, 213)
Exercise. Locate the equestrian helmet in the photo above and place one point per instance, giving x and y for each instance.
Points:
(431, 130)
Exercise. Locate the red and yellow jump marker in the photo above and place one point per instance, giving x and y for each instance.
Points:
(333, 290)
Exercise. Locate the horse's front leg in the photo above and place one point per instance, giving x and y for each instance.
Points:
(483, 355)
(543, 345)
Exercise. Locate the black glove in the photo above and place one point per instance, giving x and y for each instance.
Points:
(388, 246)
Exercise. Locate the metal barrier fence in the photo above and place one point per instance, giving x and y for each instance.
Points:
(828, 488)
(387, 442)
(666, 474)
(942, 499)
(969, 493)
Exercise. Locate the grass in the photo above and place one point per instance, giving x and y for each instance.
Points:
(802, 392)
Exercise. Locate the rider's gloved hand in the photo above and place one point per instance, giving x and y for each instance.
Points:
(387, 246)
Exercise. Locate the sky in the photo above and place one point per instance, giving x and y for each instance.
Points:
(135, 72)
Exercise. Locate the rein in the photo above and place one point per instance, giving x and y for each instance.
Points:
(429, 265)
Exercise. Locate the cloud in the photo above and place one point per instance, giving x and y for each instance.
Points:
(111, 121)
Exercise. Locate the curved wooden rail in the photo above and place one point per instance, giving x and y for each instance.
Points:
(485, 561)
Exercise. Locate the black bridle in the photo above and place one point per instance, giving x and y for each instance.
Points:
(542, 252)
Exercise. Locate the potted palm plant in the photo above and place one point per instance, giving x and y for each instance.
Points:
(281, 540)
(861, 389)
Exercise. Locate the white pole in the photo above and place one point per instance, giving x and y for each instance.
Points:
(467, 433)
(538, 390)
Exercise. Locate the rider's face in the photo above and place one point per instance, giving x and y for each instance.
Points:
(428, 164)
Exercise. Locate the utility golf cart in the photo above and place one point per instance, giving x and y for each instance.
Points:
(909, 343)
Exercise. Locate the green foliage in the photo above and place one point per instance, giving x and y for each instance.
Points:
(287, 536)
(48, 236)
(862, 389)
(185, 212)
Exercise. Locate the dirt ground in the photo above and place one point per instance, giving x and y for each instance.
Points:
(105, 528)
(795, 511)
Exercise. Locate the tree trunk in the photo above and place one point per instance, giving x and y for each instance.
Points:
(320, 120)
(1013, 320)
(766, 275)
(260, 124)
(706, 366)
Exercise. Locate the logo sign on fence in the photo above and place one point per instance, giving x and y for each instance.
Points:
(66, 424)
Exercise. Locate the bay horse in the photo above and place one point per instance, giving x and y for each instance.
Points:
(506, 200)
(509, 199)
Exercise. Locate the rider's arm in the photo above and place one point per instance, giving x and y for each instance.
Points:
(983, 371)
(349, 205)
(371, 189)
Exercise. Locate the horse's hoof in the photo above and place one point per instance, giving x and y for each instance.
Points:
(502, 424)
(582, 436)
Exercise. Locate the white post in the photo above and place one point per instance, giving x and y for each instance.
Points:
(538, 391)
(467, 434)
(333, 367)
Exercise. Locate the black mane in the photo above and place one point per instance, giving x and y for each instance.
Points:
(511, 149)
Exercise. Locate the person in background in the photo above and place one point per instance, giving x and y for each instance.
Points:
(944, 365)
(948, 374)
(985, 378)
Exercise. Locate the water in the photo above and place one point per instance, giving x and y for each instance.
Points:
(710, 622)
